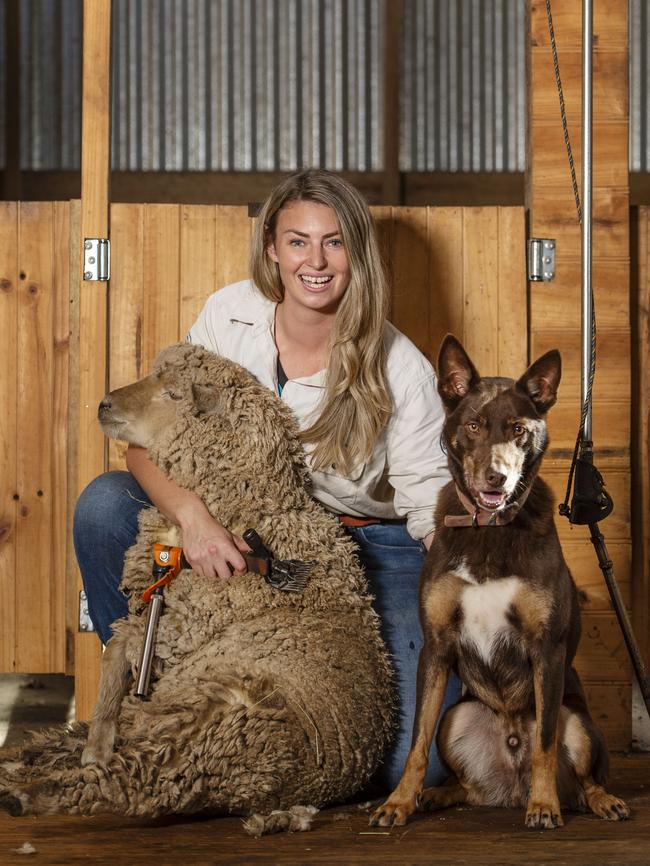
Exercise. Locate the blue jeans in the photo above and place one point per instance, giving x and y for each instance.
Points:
(106, 524)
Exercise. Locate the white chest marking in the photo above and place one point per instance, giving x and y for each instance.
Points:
(464, 573)
(484, 613)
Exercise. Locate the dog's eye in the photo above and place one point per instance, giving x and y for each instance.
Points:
(518, 429)
(472, 427)
(173, 395)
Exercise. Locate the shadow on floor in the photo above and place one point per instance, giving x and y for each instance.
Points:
(29, 702)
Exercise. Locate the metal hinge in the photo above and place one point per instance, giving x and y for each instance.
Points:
(541, 259)
(97, 259)
(85, 622)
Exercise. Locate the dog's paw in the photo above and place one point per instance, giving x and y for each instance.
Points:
(394, 812)
(608, 807)
(544, 816)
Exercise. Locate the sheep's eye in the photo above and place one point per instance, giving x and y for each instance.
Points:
(518, 429)
(472, 426)
(173, 395)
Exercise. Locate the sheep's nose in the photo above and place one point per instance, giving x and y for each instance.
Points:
(494, 478)
(106, 403)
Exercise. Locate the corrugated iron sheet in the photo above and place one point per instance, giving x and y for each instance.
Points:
(275, 84)
(464, 87)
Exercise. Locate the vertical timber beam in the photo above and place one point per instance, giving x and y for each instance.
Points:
(555, 308)
(93, 296)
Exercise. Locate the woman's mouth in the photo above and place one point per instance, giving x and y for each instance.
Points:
(314, 283)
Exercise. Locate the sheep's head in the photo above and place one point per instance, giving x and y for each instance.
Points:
(193, 389)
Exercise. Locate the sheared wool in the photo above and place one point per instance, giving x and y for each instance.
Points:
(260, 700)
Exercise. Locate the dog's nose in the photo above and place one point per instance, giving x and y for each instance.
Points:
(494, 478)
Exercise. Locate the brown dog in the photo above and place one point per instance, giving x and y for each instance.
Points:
(498, 605)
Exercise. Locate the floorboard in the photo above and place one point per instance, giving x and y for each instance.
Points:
(341, 836)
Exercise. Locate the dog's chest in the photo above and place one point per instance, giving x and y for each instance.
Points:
(485, 608)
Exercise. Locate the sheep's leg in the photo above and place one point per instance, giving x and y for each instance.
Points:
(112, 688)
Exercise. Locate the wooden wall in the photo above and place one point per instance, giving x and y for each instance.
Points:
(555, 312)
(36, 610)
(453, 269)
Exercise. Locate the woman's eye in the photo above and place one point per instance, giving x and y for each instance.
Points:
(295, 242)
(335, 242)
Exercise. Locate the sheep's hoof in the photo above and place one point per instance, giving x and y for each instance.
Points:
(11, 804)
(96, 755)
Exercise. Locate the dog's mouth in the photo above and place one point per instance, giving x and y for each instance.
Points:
(491, 499)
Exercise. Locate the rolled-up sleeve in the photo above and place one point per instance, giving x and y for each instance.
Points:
(417, 465)
(202, 332)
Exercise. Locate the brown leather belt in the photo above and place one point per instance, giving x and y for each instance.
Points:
(346, 520)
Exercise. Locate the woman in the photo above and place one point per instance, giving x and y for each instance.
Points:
(312, 326)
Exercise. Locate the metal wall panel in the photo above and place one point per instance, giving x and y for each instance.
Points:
(245, 85)
(464, 85)
(639, 91)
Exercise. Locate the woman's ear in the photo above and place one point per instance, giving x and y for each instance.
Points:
(271, 253)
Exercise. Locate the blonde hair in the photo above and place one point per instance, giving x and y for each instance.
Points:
(356, 404)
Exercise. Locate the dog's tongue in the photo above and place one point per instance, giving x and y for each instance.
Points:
(491, 498)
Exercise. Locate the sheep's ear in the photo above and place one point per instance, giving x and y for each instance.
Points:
(208, 399)
(541, 380)
(456, 373)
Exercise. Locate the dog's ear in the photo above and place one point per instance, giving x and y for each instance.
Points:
(456, 373)
(541, 380)
(208, 399)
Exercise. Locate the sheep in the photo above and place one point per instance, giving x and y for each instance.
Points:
(260, 700)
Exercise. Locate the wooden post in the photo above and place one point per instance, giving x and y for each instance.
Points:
(93, 296)
(555, 316)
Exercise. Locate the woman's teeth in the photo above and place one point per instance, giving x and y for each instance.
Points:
(315, 282)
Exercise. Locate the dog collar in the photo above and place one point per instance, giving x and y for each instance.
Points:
(478, 516)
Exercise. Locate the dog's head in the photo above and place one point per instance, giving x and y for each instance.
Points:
(495, 430)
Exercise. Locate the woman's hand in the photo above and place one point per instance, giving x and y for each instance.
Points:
(209, 547)
(428, 539)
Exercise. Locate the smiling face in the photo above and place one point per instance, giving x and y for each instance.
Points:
(308, 249)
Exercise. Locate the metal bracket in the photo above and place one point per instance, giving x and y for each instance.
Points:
(85, 622)
(97, 259)
(541, 259)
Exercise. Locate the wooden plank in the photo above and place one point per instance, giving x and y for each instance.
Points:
(410, 298)
(610, 151)
(60, 413)
(582, 560)
(512, 290)
(446, 227)
(383, 218)
(610, 87)
(602, 654)
(555, 217)
(126, 306)
(8, 430)
(161, 278)
(198, 227)
(556, 306)
(610, 705)
(35, 418)
(612, 379)
(480, 287)
(93, 297)
(73, 578)
(641, 433)
(609, 23)
(234, 229)
(611, 418)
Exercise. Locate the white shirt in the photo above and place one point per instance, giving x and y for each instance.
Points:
(407, 468)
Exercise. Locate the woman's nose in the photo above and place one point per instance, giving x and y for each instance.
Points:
(316, 258)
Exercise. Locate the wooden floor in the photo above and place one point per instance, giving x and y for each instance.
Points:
(341, 836)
